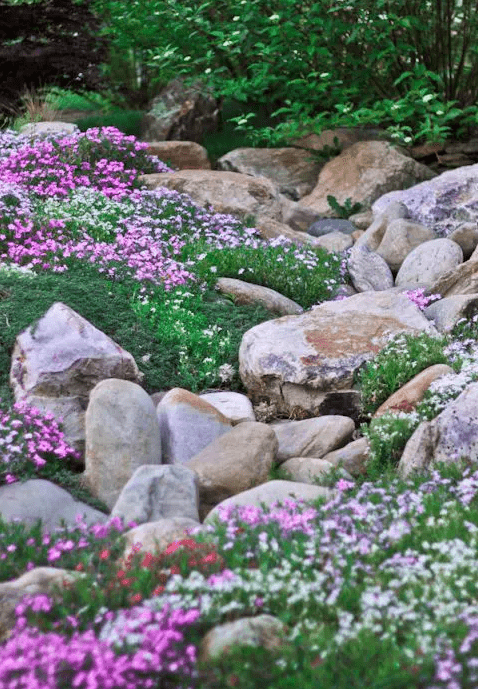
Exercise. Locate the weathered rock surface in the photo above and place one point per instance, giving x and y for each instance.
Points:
(271, 493)
(297, 361)
(233, 405)
(400, 238)
(154, 537)
(264, 631)
(188, 424)
(59, 360)
(428, 262)
(409, 395)
(353, 457)
(180, 155)
(310, 470)
(448, 438)
(442, 203)
(227, 192)
(446, 312)
(39, 499)
(122, 434)
(312, 437)
(233, 463)
(363, 173)
(292, 170)
(368, 270)
(158, 492)
(181, 112)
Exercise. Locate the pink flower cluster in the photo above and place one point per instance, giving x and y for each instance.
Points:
(27, 436)
(31, 659)
(104, 159)
(418, 297)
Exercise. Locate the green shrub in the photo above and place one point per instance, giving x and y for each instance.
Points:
(314, 64)
(127, 121)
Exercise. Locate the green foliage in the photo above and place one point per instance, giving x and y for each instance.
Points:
(345, 210)
(306, 276)
(127, 121)
(398, 362)
(199, 333)
(388, 434)
(314, 65)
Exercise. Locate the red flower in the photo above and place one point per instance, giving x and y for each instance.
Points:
(104, 555)
(158, 590)
(136, 598)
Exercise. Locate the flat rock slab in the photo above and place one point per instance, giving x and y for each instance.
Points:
(296, 361)
(39, 499)
(247, 293)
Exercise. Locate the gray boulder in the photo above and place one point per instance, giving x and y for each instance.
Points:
(326, 225)
(158, 492)
(442, 203)
(122, 434)
(59, 360)
(312, 437)
(188, 424)
(39, 499)
(428, 262)
(449, 437)
(248, 293)
(368, 270)
(400, 238)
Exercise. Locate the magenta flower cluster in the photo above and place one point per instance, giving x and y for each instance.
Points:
(27, 436)
(101, 158)
(31, 659)
(420, 299)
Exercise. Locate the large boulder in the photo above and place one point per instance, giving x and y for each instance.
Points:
(307, 363)
(58, 361)
(401, 236)
(292, 170)
(122, 434)
(226, 192)
(363, 173)
(182, 112)
(271, 493)
(442, 203)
